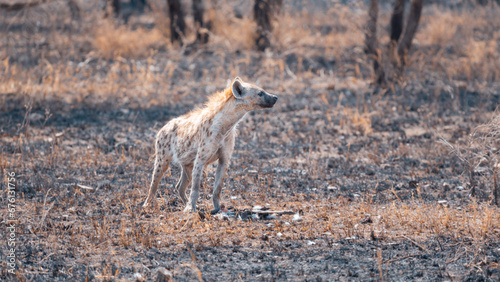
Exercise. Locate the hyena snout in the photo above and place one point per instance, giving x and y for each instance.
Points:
(268, 100)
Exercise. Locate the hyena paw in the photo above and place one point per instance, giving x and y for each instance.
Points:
(189, 208)
(149, 203)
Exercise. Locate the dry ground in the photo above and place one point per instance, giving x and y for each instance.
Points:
(380, 196)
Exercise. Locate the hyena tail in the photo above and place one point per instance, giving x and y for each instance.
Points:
(162, 161)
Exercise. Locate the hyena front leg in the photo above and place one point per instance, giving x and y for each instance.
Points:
(219, 181)
(199, 165)
(184, 182)
(162, 161)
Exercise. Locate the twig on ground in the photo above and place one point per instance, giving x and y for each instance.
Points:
(45, 211)
(416, 244)
(401, 258)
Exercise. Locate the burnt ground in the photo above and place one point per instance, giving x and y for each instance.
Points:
(304, 154)
(380, 196)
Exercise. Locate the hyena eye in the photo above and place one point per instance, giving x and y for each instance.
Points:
(261, 94)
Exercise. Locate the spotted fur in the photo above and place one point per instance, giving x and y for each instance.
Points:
(204, 136)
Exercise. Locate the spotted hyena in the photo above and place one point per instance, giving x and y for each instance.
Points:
(204, 136)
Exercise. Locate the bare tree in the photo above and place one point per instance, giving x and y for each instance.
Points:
(399, 46)
(125, 9)
(397, 22)
(263, 13)
(177, 23)
(410, 30)
(114, 5)
(74, 9)
(138, 5)
(371, 43)
(200, 25)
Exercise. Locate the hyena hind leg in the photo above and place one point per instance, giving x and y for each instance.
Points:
(183, 182)
(161, 165)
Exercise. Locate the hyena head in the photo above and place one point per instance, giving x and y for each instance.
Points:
(251, 95)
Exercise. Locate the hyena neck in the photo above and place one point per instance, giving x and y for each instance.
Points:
(229, 116)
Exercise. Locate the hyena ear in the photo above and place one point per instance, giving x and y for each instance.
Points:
(237, 88)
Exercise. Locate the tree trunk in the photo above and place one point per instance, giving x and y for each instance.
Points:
(410, 30)
(138, 5)
(116, 6)
(263, 13)
(201, 28)
(177, 24)
(371, 43)
(397, 20)
(74, 9)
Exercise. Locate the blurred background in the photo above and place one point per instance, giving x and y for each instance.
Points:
(143, 48)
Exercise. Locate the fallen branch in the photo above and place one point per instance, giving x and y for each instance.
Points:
(401, 258)
(85, 187)
(272, 212)
(371, 43)
(45, 212)
(416, 244)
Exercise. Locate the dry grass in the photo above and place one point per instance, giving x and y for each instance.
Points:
(453, 31)
(112, 41)
(440, 30)
(480, 156)
(230, 32)
(339, 220)
(317, 29)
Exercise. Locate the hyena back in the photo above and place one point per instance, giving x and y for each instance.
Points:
(203, 136)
